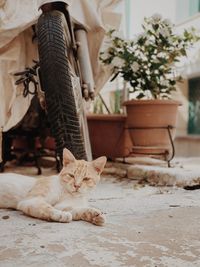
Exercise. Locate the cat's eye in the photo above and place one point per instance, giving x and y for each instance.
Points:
(70, 175)
(86, 179)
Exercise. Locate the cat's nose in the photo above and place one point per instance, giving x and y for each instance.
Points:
(77, 186)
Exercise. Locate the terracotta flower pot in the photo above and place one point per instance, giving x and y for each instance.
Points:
(108, 135)
(147, 121)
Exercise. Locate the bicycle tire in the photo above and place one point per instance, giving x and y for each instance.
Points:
(57, 84)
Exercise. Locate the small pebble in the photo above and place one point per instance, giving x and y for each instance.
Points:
(5, 217)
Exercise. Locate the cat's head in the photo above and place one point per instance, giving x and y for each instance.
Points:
(80, 176)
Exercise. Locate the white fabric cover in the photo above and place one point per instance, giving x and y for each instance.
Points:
(17, 50)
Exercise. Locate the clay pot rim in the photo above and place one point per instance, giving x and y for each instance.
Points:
(152, 102)
(107, 117)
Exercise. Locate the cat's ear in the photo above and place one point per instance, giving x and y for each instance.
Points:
(67, 157)
(99, 164)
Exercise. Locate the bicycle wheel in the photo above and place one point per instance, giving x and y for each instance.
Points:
(57, 84)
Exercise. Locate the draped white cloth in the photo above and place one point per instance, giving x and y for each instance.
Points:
(17, 49)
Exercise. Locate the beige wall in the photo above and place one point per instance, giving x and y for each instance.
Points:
(185, 145)
(188, 146)
(182, 120)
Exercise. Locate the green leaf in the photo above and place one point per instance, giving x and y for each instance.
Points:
(141, 95)
(183, 52)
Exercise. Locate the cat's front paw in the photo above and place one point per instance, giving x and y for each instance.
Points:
(99, 219)
(62, 216)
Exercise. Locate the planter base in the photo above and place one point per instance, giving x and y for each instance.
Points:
(167, 153)
(109, 135)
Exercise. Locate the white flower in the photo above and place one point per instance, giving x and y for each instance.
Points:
(117, 62)
(165, 82)
(154, 57)
(164, 32)
(137, 53)
(151, 38)
(147, 42)
(156, 17)
(167, 22)
(144, 57)
(118, 34)
(135, 66)
(156, 61)
(148, 72)
(161, 67)
(161, 55)
(105, 55)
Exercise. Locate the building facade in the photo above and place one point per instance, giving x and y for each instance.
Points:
(188, 133)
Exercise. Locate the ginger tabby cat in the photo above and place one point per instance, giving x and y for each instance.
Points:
(61, 198)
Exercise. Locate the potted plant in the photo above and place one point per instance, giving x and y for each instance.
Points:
(147, 64)
(108, 133)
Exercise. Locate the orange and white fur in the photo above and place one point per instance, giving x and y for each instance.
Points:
(61, 198)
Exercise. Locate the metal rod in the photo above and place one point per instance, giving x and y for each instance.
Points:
(166, 153)
(172, 144)
(104, 103)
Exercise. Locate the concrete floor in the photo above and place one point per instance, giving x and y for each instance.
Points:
(146, 226)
